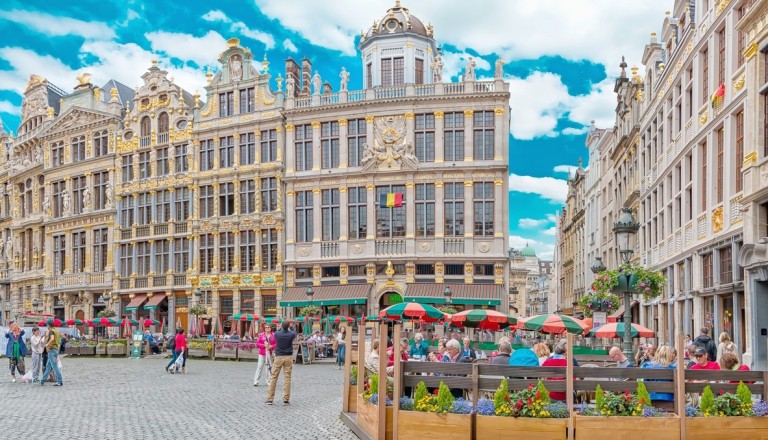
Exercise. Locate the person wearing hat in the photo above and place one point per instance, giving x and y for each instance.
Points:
(702, 361)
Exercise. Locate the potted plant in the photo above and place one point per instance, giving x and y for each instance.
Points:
(225, 349)
(198, 310)
(101, 347)
(368, 408)
(106, 313)
(310, 311)
(428, 413)
(730, 412)
(247, 350)
(630, 278)
(117, 347)
(527, 413)
(200, 348)
(626, 412)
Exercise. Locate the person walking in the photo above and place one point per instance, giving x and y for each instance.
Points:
(179, 349)
(341, 339)
(52, 345)
(726, 346)
(706, 343)
(266, 345)
(38, 346)
(283, 360)
(15, 350)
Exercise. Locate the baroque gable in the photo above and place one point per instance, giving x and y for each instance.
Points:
(77, 119)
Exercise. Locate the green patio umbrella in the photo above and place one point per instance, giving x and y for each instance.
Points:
(483, 319)
(244, 317)
(413, 311)
(553, 324)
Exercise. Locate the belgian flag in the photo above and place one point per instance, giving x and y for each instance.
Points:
(391, 200)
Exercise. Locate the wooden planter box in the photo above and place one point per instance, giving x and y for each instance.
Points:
(605, 428)
(225, 353)
(72, 351)
(352, 396)
(101, 351)
(86, 351)
(732, 427)
(416, 424)
(199, 353)
(250, 355)
(116, 351)
(523, 428)
(368, 419)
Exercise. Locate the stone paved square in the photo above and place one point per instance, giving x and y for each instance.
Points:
(137, 399)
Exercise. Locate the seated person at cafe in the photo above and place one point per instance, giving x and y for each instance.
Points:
(372, 360)
(702, 361)
(505, 349)
(467, 351)
(557, 360)
(317, 343)
(419, 348)
(153, 346)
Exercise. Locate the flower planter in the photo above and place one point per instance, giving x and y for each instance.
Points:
(116, 350)
(72, 351)
(243, 353)
(522, 428)
(625, 286)
(101, 350)
(87, 351)
(734, 427)
(222, 352)
(605, 428)
(199, 353)
(368, 418)
(352, 396)
(417, 424)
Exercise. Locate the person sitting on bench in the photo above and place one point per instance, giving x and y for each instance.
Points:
(153, 347)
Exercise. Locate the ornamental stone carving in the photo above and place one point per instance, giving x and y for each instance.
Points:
(390, 150)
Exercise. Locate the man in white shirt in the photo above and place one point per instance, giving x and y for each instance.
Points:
(38, 345)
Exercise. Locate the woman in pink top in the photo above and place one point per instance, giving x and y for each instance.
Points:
(266, 345)
(179, 349)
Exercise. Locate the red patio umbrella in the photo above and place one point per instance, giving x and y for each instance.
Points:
(56, 322)
(414, 311)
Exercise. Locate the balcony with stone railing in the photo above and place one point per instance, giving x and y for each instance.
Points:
(404, 91)
(79, 280)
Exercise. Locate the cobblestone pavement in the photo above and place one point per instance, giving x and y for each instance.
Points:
(137, 399)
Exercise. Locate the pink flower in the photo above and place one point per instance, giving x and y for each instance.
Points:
(647, 289)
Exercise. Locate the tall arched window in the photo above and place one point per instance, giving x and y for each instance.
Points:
(145, 126)
(162, 123)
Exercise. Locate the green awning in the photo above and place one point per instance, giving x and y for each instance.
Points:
(326, 295)
(465, 294)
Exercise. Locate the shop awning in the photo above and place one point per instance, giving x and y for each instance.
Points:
(468, 294)
(326, 295)
(619, 313)
(136, 302)
(154, 301)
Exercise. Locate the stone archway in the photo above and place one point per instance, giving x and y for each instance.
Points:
(80, 314)
(389, 294)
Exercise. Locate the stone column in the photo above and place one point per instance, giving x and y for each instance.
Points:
(290, 151)
(216, 148)
(317, 217)
(290, 224)
(439, 209)
(343, 214)
(343, 146)
(498, 134)
(236, 159)
(469, 209)
(317, 155)
(468, 136)
(439, 139)
(371, 209)
(498, 215)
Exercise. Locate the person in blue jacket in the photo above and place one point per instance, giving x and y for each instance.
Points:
(523, 357)
(15, 350)
(419, 349)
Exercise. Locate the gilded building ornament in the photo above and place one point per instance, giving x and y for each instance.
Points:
(315, 125)
(289, 127)
(498, 111)
(468, 113)
(342, 122)
(439, 115)
(703, 118)
(739, 83)
(717, 219)
(749, 159)
(211, 108)
(750, 51)
(409, 115)
(369, 119)
(390, 150)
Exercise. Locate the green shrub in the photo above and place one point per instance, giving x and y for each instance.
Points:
(599, 399)
(444, 399)
(421, 392)
(543, 393)
(707, 402)
(744, 394)
(642, 394)
(500, 396)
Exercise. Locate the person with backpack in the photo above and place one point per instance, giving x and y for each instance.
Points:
(706, 343)
(726, 346)
(54, 341)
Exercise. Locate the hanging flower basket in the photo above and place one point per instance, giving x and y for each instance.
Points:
(599, 302)
(630, 278)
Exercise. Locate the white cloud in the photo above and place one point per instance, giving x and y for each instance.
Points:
(215, 15)
(536, 104)
(599, 105)
(57, 26)
(582, 27)
(551, 231)
(530, 223)
(24, 62)
(552, 217)
(9, 107)
(549, 188)
(563, 168)
(202, 50)
(572, 131)
(253, 34)
(544, 250)
(289, 46)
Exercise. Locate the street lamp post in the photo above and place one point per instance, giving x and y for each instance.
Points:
(598, 266)
(310, 294)
(625, 229)
(447, 293)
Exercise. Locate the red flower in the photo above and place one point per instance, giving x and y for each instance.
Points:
(506, 397)
(530, 386)
(722, 392)
(538, 394)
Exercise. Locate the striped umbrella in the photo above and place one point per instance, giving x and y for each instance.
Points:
(244, 317)
(105, 322)
(413, 311)
(371, 318)
(130, 322)
(307, 319)
(74, 322)
(553, 324)
(274, 320)
(616, 330)
(150, 322)
(56, 322)
(336, 319)
(483, 319)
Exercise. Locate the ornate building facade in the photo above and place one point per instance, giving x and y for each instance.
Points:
(571, 264)
(152, 200)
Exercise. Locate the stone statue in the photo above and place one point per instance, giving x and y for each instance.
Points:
(344, 75)
(87, 198)
(38, 153)
(437, 68)
(108, 194)
(66, 202)
(499, 73)
(2, 250)
(367, 155)
(317, 83)
(46, 204)
(289, 87)
(235, 67)
(9, 249)
(469, 71)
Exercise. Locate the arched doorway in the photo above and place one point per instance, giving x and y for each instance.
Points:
(389, 298)
(81, 316)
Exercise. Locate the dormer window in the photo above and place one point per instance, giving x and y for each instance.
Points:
(392, 72)
(392, 25)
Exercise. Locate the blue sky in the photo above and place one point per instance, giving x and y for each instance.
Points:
(562, 57)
